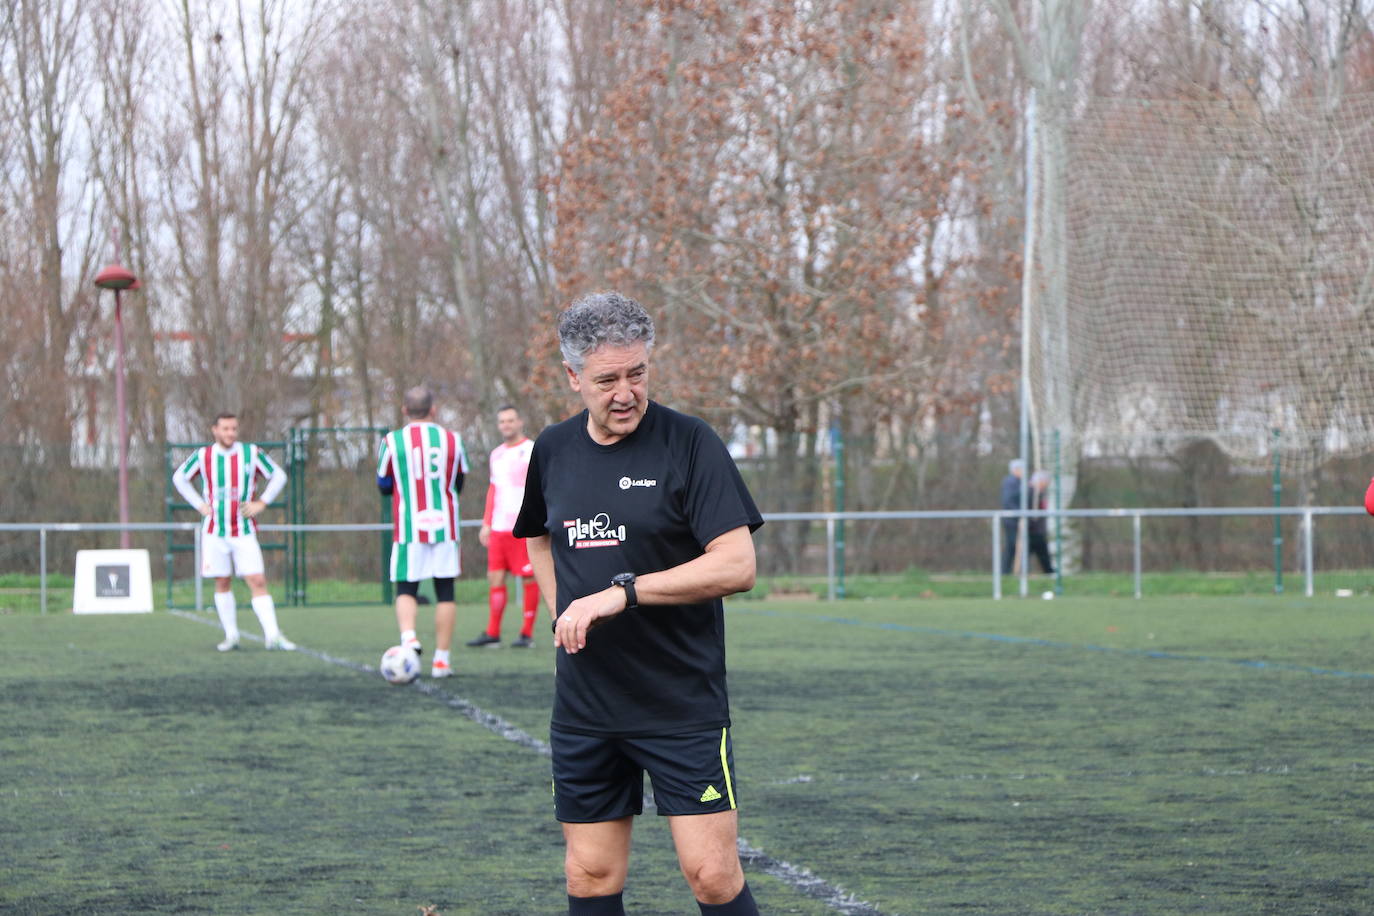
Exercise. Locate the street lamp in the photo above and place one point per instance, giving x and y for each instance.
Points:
(119, 278)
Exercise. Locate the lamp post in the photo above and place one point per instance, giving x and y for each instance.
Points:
(119, 278)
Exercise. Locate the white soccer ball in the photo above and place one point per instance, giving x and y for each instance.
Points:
(400, 665)
(1048, 596)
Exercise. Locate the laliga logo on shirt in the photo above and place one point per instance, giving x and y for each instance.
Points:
(594, 533)
(627, 482)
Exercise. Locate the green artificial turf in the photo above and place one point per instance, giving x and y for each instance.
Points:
(1206, 755)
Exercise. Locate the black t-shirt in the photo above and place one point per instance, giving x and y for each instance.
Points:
(648, 502)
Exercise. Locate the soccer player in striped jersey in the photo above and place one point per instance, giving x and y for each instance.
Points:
(421, 467)
(510, 461)
(229, 470)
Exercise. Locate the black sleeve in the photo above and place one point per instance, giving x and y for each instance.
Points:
(717, 499)
(532, 522)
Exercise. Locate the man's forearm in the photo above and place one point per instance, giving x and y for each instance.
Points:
(726, 568)
(187, 490)
(275, 484)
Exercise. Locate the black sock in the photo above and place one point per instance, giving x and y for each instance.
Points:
(610, 905)
(742, 905)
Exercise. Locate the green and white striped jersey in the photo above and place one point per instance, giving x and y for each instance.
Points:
(426, 464)
(228, 477)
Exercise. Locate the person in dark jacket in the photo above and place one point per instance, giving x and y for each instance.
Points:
(1011, 502)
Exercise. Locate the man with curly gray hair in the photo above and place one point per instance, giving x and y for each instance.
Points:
(599, 319)
(638, 524)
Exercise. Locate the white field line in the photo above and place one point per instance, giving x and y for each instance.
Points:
(1226, 772)
(798, 878)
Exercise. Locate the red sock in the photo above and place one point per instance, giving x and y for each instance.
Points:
(531, 608)
(497, 600)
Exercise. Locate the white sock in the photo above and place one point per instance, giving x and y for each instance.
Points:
(441, 655)
(407, 636)
(228, 614)
(266, 610)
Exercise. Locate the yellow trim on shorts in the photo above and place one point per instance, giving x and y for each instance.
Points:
(725, 767)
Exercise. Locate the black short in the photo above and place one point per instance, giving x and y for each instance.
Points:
(443, 588)
(602, 779)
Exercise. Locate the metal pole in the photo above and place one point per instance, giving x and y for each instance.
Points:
(837, 448)
(200, 599)
(1058, 521)
(1027, 290)
(1278, 520)
(1307, 538)
(830, 558)
(299, 494)
(290, 571)
(1135, 537)
(123, 424)
(43, 570)
(167, 516)
(997, 556)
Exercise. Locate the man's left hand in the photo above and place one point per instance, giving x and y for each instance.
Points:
(253, 507)
(585, 613)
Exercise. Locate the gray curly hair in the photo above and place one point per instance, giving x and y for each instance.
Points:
(602, 318)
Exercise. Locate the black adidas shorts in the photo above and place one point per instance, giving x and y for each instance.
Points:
(602, 779)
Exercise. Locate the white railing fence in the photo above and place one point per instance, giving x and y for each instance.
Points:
(834, 545)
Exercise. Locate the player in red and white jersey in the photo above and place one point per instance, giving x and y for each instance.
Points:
(510, 461)
(421, 467)
(228, 470)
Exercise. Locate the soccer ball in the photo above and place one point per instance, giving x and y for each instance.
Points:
(400, 665)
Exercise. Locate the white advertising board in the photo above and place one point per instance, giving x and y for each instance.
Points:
(112, 582)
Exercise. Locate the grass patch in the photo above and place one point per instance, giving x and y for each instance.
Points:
(925, 755)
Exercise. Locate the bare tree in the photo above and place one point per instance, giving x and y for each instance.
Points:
(231, 167)
(791, 196)
(44, 82)
(126, 78)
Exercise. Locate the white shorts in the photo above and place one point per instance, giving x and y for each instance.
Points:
(221, 556)
(417, 562)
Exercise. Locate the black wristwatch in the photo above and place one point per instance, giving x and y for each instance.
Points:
(627, 582)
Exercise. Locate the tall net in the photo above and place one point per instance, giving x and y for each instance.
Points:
(1205, 270)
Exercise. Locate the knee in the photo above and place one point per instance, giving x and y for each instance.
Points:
(715, 879)
(592, 877)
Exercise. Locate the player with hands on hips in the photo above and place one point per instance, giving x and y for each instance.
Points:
(229, 470)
